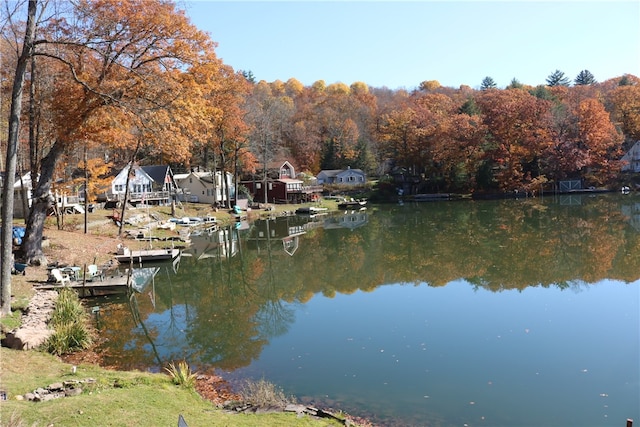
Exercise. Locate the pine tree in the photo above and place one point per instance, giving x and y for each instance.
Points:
(557, 78)
(488, 83)
(584, 78)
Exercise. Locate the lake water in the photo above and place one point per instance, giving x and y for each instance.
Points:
(491, 313)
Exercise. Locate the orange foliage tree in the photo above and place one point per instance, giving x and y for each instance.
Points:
(518, 132)
(121, 71)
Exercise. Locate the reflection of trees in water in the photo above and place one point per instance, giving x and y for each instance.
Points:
(135, 312)
(229, 300)
(241, 296)
(274, 319)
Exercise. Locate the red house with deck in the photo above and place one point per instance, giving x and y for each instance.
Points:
(281, 186)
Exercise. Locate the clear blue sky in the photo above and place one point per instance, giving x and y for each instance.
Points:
(400, 44)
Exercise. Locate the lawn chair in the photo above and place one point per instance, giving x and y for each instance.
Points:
(93, 272)
(60, 277)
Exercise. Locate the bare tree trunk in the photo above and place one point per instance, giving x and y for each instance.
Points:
(12, 150)
(264, 173)
(126, 188)
(215, 181)
(235, 171)
(41, 202)
(126, 199)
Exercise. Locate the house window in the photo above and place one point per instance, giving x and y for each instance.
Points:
(352, 178)
(270, 186)
(258, 185)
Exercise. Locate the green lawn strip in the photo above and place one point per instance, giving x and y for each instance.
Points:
(116, 399)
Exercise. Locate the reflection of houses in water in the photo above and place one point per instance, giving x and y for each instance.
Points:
(351, 220)
(571, 199)
(633, 212)
(219, 243)
(142, 277)
(266, 234)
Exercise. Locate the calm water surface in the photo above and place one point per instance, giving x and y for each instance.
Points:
(493, 313)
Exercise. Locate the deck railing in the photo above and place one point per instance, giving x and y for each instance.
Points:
(149, 195)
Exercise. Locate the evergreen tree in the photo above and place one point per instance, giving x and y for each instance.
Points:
(470, 107)
(248, 75)
(584, 78)
(541, 92)
(329, 156)
(557, 78)
(488, 83)
(515, 84)
(625, 81)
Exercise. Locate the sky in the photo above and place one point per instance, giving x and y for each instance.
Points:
(399, 44)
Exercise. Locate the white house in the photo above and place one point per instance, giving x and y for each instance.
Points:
(22, 195)
(204, 187)
(342, 176)
(152, 184)
(632, 159)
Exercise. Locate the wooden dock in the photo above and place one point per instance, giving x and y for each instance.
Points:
(85, 289)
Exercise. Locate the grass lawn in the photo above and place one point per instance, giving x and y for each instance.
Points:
(116, 399)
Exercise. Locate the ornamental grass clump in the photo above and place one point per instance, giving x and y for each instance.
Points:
(262, 393)
(70, 324)
(181, 374)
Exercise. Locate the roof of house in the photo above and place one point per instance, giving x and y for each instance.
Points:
(157, 173)
(336, 172)
(290, 180)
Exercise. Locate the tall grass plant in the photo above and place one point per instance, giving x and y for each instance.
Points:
(70, 323)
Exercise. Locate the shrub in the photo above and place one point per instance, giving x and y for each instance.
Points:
(263, 393)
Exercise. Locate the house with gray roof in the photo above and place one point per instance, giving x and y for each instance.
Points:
(342, 176)
(150, 184)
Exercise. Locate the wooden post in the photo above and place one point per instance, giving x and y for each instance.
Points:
(629, 422)
(84, 279)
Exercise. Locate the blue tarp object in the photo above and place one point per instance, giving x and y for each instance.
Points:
(18, 234)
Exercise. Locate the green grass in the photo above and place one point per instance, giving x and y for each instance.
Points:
(138, 399)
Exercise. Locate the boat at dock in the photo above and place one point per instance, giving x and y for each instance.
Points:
(125, 255)
(353, 204)
(310, 210)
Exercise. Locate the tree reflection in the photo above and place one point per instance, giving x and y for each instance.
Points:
(235, 292)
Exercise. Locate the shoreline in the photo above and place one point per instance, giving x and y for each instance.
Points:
(99, 245)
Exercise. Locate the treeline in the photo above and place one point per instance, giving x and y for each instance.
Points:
(447, 139)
